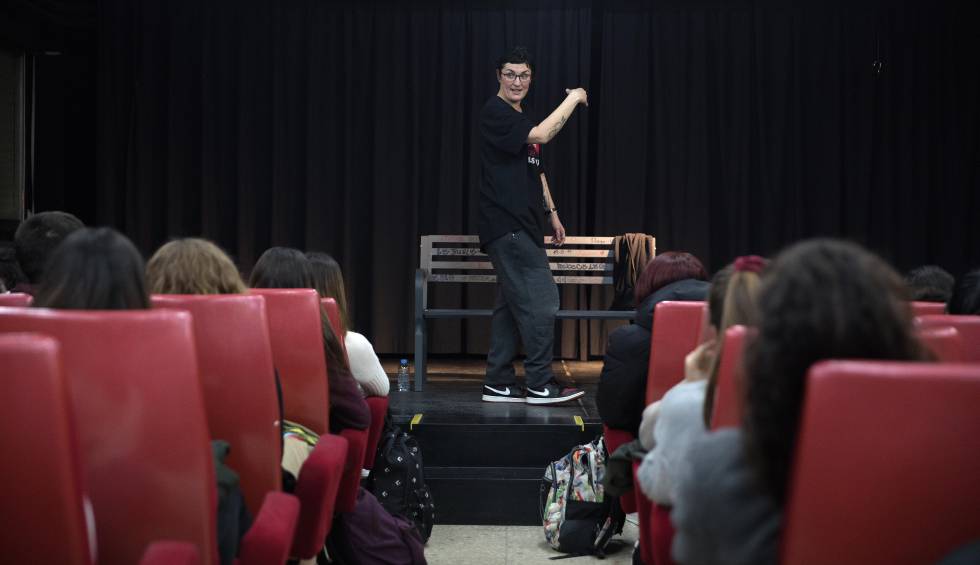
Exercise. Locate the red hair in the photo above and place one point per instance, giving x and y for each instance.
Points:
(667, 268)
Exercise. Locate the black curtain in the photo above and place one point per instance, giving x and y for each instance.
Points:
(722, 128)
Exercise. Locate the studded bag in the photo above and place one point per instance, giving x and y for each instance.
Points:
(398, 479)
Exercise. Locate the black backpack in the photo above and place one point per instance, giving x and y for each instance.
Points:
(398, 479)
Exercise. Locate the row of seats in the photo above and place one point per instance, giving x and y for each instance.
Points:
(146, 390)
(677, 330)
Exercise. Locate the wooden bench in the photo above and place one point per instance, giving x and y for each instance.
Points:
(458, 259)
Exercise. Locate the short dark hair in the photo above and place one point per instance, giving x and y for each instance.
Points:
(94, 269)
(10, 273)
(966, 295)
(667, 268)
(820, 299)
(516, 56)
(38, 236)
(929, 283)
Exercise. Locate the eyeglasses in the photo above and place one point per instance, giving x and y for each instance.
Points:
(511, 77)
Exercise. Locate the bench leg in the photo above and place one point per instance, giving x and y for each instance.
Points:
(420, 354)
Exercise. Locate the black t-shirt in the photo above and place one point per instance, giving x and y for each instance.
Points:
(511, 196)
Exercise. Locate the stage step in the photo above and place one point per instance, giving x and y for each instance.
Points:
(489, 472)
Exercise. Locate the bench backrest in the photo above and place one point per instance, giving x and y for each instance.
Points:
(458, 259)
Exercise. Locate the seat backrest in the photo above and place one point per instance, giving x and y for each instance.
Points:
(16, 299)
(235, 360)
(943, 342)
(676, 330)
(379, 409)
(333, 314)
(40, 468)
(886, 464)
(727, 409)
(296, 335)
(920, 308)
(967, 326)
(136, 398)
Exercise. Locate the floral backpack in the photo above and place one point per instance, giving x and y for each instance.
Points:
(579, 518)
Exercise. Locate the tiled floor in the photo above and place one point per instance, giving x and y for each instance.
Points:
(510, 545)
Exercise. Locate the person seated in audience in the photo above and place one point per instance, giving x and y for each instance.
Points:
(821, 299)
(965, 299)
(669, 425)
(34, 241)
(94, 269)
(364, 363)
(193, 266)
(281, 267)
(929, 283)
(11, 276)
(622, 383)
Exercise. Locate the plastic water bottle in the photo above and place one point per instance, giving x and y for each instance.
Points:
(403, 376)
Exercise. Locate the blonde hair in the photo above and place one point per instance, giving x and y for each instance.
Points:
(193, 266)
(740, 307)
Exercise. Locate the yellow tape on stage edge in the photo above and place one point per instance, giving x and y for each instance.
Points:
(579, 422)
(415, 421)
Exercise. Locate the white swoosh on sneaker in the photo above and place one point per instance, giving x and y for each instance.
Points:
(505, 392)
(543, 393)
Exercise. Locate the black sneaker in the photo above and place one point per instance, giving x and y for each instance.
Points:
(552, 393)
(506, 393)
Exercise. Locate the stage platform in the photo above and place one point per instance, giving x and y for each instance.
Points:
(484, 461)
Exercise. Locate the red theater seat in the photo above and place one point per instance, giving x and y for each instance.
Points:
(40, 468)
(967, 326)
(943, 342)
(613, 439)
(297, 351)
(235, 361)
(886, 464)
(333, 314)
(379, 409)
(727, 409)
(676, 331)
(235, 358)
(927, 308)
(136, 399)
(18, 299)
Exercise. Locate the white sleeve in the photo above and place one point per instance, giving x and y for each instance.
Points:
(365, 366)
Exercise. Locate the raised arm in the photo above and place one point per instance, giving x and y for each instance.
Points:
(550, 126)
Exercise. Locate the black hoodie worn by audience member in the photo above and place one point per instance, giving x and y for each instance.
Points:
(621, 397)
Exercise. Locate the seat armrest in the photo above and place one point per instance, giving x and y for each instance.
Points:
(270, 538)
(316, 488)
(171, 553)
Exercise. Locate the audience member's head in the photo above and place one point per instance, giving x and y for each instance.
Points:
(329, 281)
(284, 267)
(966, 295)
(820, 299)
(732, 301)
(929, 283)
(10, 273)
(94, 269)
(38, 236)
(192, 266)
(665, 269)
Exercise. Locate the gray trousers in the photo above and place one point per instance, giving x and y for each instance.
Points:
(527, 301)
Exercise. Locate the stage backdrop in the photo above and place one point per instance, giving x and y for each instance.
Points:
(722, 128)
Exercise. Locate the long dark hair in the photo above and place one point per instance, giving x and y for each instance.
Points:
(94, 269)
(329, 281)
(820, 299)
(284, 267)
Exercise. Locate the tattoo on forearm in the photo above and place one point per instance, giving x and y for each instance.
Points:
(557, 127)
